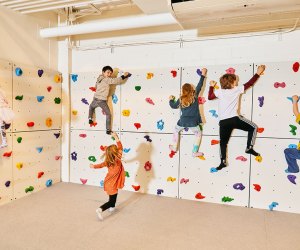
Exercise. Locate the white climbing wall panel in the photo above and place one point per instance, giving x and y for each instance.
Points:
(30, 85)
(155, 85)
(82, 96)
(26, 152)
(6, 173)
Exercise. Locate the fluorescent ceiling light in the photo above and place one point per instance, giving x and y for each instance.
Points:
(110, 25)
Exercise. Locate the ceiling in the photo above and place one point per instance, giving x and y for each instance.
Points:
(209, 17)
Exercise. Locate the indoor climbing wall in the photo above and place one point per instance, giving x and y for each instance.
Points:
(272, 111)
(6, 190)
(32, 158)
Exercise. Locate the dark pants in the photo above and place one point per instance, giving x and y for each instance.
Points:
(291, 156)
(238, 122)
(111, 202)
(102, 104)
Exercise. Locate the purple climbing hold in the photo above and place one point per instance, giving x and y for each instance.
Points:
(239, 186)
(292, 178)
(40, 72)
(7, 184)
(199, 72)
(74, 156)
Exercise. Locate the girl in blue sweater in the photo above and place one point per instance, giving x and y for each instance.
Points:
(190, 115)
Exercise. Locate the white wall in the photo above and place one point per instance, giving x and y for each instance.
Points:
(20, 41)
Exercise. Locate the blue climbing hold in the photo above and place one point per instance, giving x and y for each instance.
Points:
(49, 183)
(18, 71)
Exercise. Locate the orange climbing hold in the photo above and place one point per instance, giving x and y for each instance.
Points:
(260, 130)
(214, 142)
(199, 196)
(149, 75)
(136, 188)
(40, 174)
(92, 89)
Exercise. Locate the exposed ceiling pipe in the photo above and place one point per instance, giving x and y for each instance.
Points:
(110, 25)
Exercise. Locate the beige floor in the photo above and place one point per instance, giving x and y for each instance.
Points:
(63, 217)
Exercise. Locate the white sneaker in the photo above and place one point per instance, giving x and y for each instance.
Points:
(111, 209)
(197, 154)
(99, 213)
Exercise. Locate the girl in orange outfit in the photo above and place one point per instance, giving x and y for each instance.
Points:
(115, 177)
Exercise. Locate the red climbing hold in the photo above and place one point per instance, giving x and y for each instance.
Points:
(201, 100)
(49, 88)
(296, 66)
(103, 148)
(199, 196)
(260, 130)
(40, 174)
(136, 188)
(172, 154)
(30, 124)
(137, 125)
(257, 187)
(82, 135)
(92, 89)
(58, 157)
(148, 166)
(214, 142)
(94, 124)
(7, 154)
(174, 73)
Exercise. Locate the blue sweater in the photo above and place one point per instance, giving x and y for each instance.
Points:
(190, 116)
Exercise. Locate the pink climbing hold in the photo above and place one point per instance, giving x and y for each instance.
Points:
(82, 135)
(83, 181)
(241, 158)
(201, 100)
(230, 71)
(279, 84)
(149, 100)
(148, 166)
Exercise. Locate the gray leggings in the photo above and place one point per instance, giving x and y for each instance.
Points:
(102, 104)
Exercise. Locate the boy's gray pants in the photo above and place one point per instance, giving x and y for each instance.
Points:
(102, 104)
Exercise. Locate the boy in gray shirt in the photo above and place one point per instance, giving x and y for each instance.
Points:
(100, 97)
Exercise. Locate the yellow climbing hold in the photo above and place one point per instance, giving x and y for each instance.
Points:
(149, 75)
(49, 122)
(74, 112)
(201, 157)
(258, 158)
(171, 179)
(19, 165)
(126, 112)
(57, 78)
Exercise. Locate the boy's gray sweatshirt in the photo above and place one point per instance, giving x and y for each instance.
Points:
(102, 86)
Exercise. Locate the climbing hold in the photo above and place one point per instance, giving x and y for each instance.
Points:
(199, 72)
(19, 139)
(39, 149)
(114, 99)
(213, 112)
(242, 158)
(74, 156)
(261, 101)
(186, 129)
(7, 184)
(74, 77)
(40, 98)
(7, 125)
(19, 97)
(296, 67)
(258, 158)
(160, 124)
(126, 174)
(214, 142)
(213, 170)
(83, 100)
(292, 178)
(40, 174)
(49, 183)
(83, 181)
(74, 112)
(238, 186)
(149, 100)
(126, 112)
(102, 183)
(227, 199)
(82, 135)
(183, 180)
(293, 129)
(147, 166)
(292, 146)
(201, 100)
(172, 154)
(257, 187)
(137, 88)
(92, 89)
(19, 165)
(56, 135)
(30, 124)
(49, 88)
(201, 157)
(199, 196)
(149, 75)
(170, 178)
(126, 150)
(57, 100)
(49, 122)
(58, 157)
(103, 148)
(18, 71)
(93, 124)
(29, 189)
(57, 78)
(272, 205)
(136, 188)
(137, 125)
(260, 130)
(159, 191)
(7, 154)
(147, 137)
(174, 73)
(230, 71)
(92, 158)
(40, 72)
(279, 84)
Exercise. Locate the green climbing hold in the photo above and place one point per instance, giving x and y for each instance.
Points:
(92, 158)
(57, 100)
(29, 189)
(137, 88)
(227, 199)
(19, 139)
(293, 129)
(126, 174)
(113, 138)
(19, 97)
